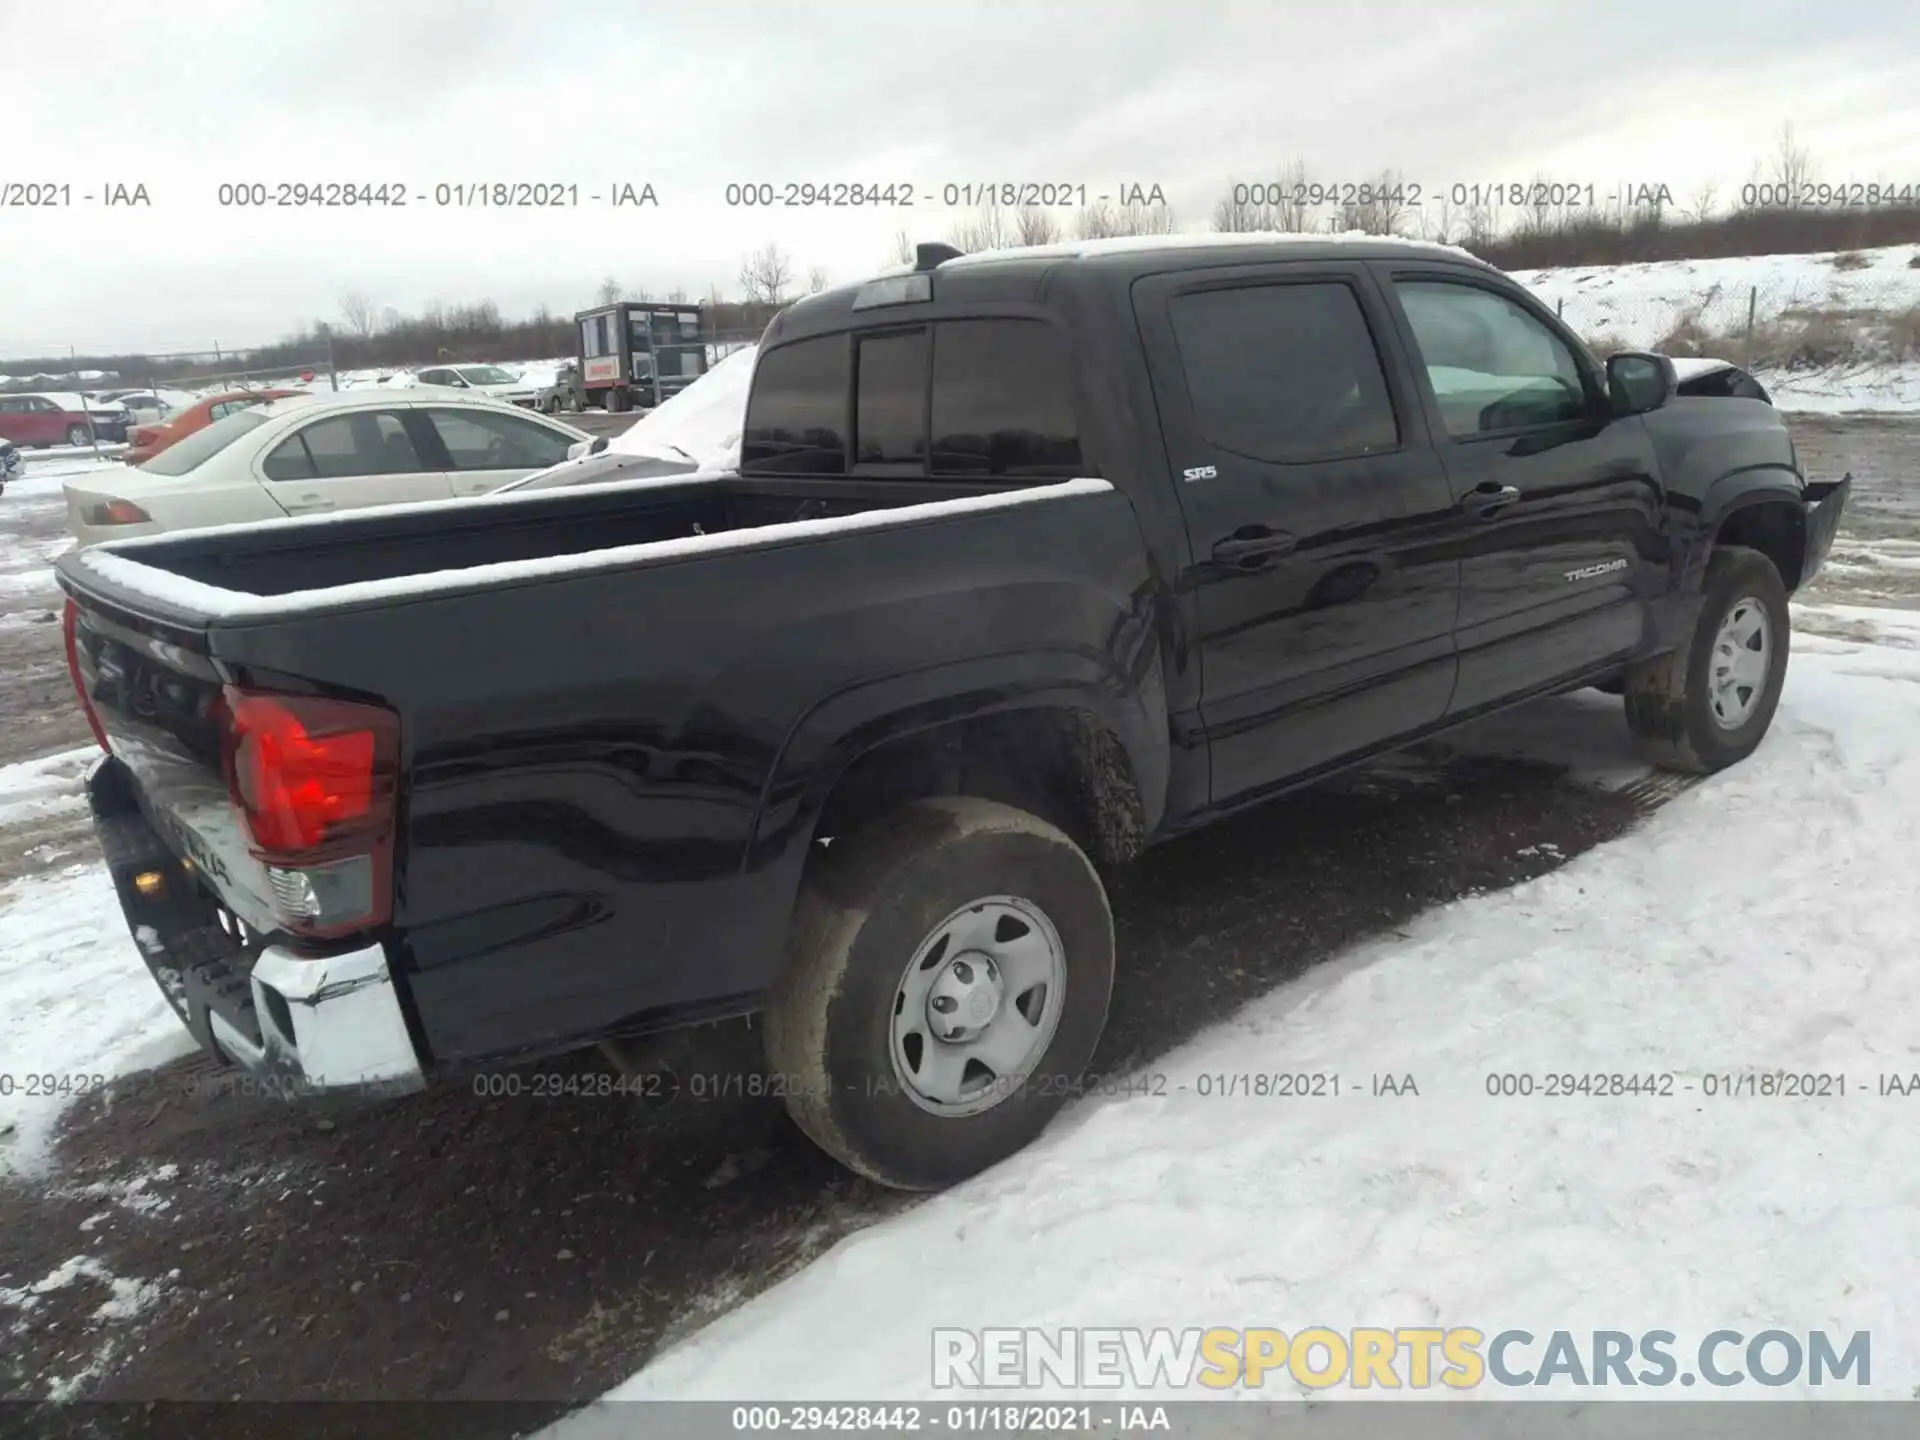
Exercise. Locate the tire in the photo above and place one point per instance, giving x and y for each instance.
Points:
(77, 435)
(872, 905)
(1671, 699)
(617, 402)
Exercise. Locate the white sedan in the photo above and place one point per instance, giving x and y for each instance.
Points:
(307, 454)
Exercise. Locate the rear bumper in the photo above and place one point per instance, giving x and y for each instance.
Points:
(1826, 503)
(333, 1023)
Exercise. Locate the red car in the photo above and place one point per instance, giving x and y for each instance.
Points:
(43, 420)
(148, 441)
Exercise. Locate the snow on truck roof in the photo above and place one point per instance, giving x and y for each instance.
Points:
(1212, 240)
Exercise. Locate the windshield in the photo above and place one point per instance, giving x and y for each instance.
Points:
(203, 445)
(486, 375)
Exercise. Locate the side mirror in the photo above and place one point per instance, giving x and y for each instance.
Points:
(580, 448)
(1639, 381)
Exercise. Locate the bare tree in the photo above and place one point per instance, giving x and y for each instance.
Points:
(1793, 167)
(1035, 226)
(1705, 194)
(1378, 208)
(767, 274)
(677, 295)
(986, 229)
(714, 298)
(817, 280)
(902, 248)
(1292, 210)
(362, 319)
(1242, 216)
(1102, 220)
(608, 292)
(389, 318)
(641, 294)
(1437, 221)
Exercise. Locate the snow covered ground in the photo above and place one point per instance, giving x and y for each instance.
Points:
(1639, 305)
(76, 1003)
(1765, 919)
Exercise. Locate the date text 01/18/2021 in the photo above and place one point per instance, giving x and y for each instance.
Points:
(443, 194)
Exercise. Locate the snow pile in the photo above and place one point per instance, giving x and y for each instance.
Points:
(1765, 919)
(703, 422)
(76, 1001)
(45, 786)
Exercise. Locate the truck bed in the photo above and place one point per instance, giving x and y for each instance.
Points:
(616, 709)
(375, 548)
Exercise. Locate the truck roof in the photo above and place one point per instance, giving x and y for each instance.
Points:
(1016, 274)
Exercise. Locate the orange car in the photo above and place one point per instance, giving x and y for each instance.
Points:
(147, 441)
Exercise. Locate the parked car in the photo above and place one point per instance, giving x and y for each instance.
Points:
(147, 441)
(60, 418)
(1136, 533)
(148, 407)
(310, 453)
(489, 381)
(564, 393)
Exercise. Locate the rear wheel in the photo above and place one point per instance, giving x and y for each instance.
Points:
(617, 402)
(1708, 704)
(76, 435)
(947, 979)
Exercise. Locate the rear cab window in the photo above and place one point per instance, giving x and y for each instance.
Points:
(965, 399)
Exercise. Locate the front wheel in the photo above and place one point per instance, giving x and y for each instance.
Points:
(76, 435)
(946, 982)
(1709, 703)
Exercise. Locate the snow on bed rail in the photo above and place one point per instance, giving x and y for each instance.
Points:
(121, 567)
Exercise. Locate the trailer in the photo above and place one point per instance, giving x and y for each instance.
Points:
(635, 355)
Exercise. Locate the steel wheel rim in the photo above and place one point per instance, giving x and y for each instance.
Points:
(1741, 663)
(977, 1006)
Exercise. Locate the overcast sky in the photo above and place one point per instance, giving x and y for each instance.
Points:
(1187, 94)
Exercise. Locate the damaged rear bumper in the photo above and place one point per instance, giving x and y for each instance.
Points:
(332, 1022)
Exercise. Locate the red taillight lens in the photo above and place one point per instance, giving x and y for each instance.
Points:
(307, 771)
(315, 780)
(115, 512)
(69, 630)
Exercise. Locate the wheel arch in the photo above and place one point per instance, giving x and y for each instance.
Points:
(1760, 510)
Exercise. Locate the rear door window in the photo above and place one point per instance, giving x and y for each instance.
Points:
(370, 442)
(1286, 373)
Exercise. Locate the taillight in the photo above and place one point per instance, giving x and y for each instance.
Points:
(114, 512)
(315, 780)
(69, 630)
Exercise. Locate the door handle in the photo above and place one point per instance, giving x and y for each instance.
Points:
(1487, 499)
(1252, 545)
(309, 505)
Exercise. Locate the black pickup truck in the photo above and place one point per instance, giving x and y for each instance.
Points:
(1032, 559)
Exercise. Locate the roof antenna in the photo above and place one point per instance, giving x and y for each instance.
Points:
(932, 253)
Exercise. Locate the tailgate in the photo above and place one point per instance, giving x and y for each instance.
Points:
(155, 695)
